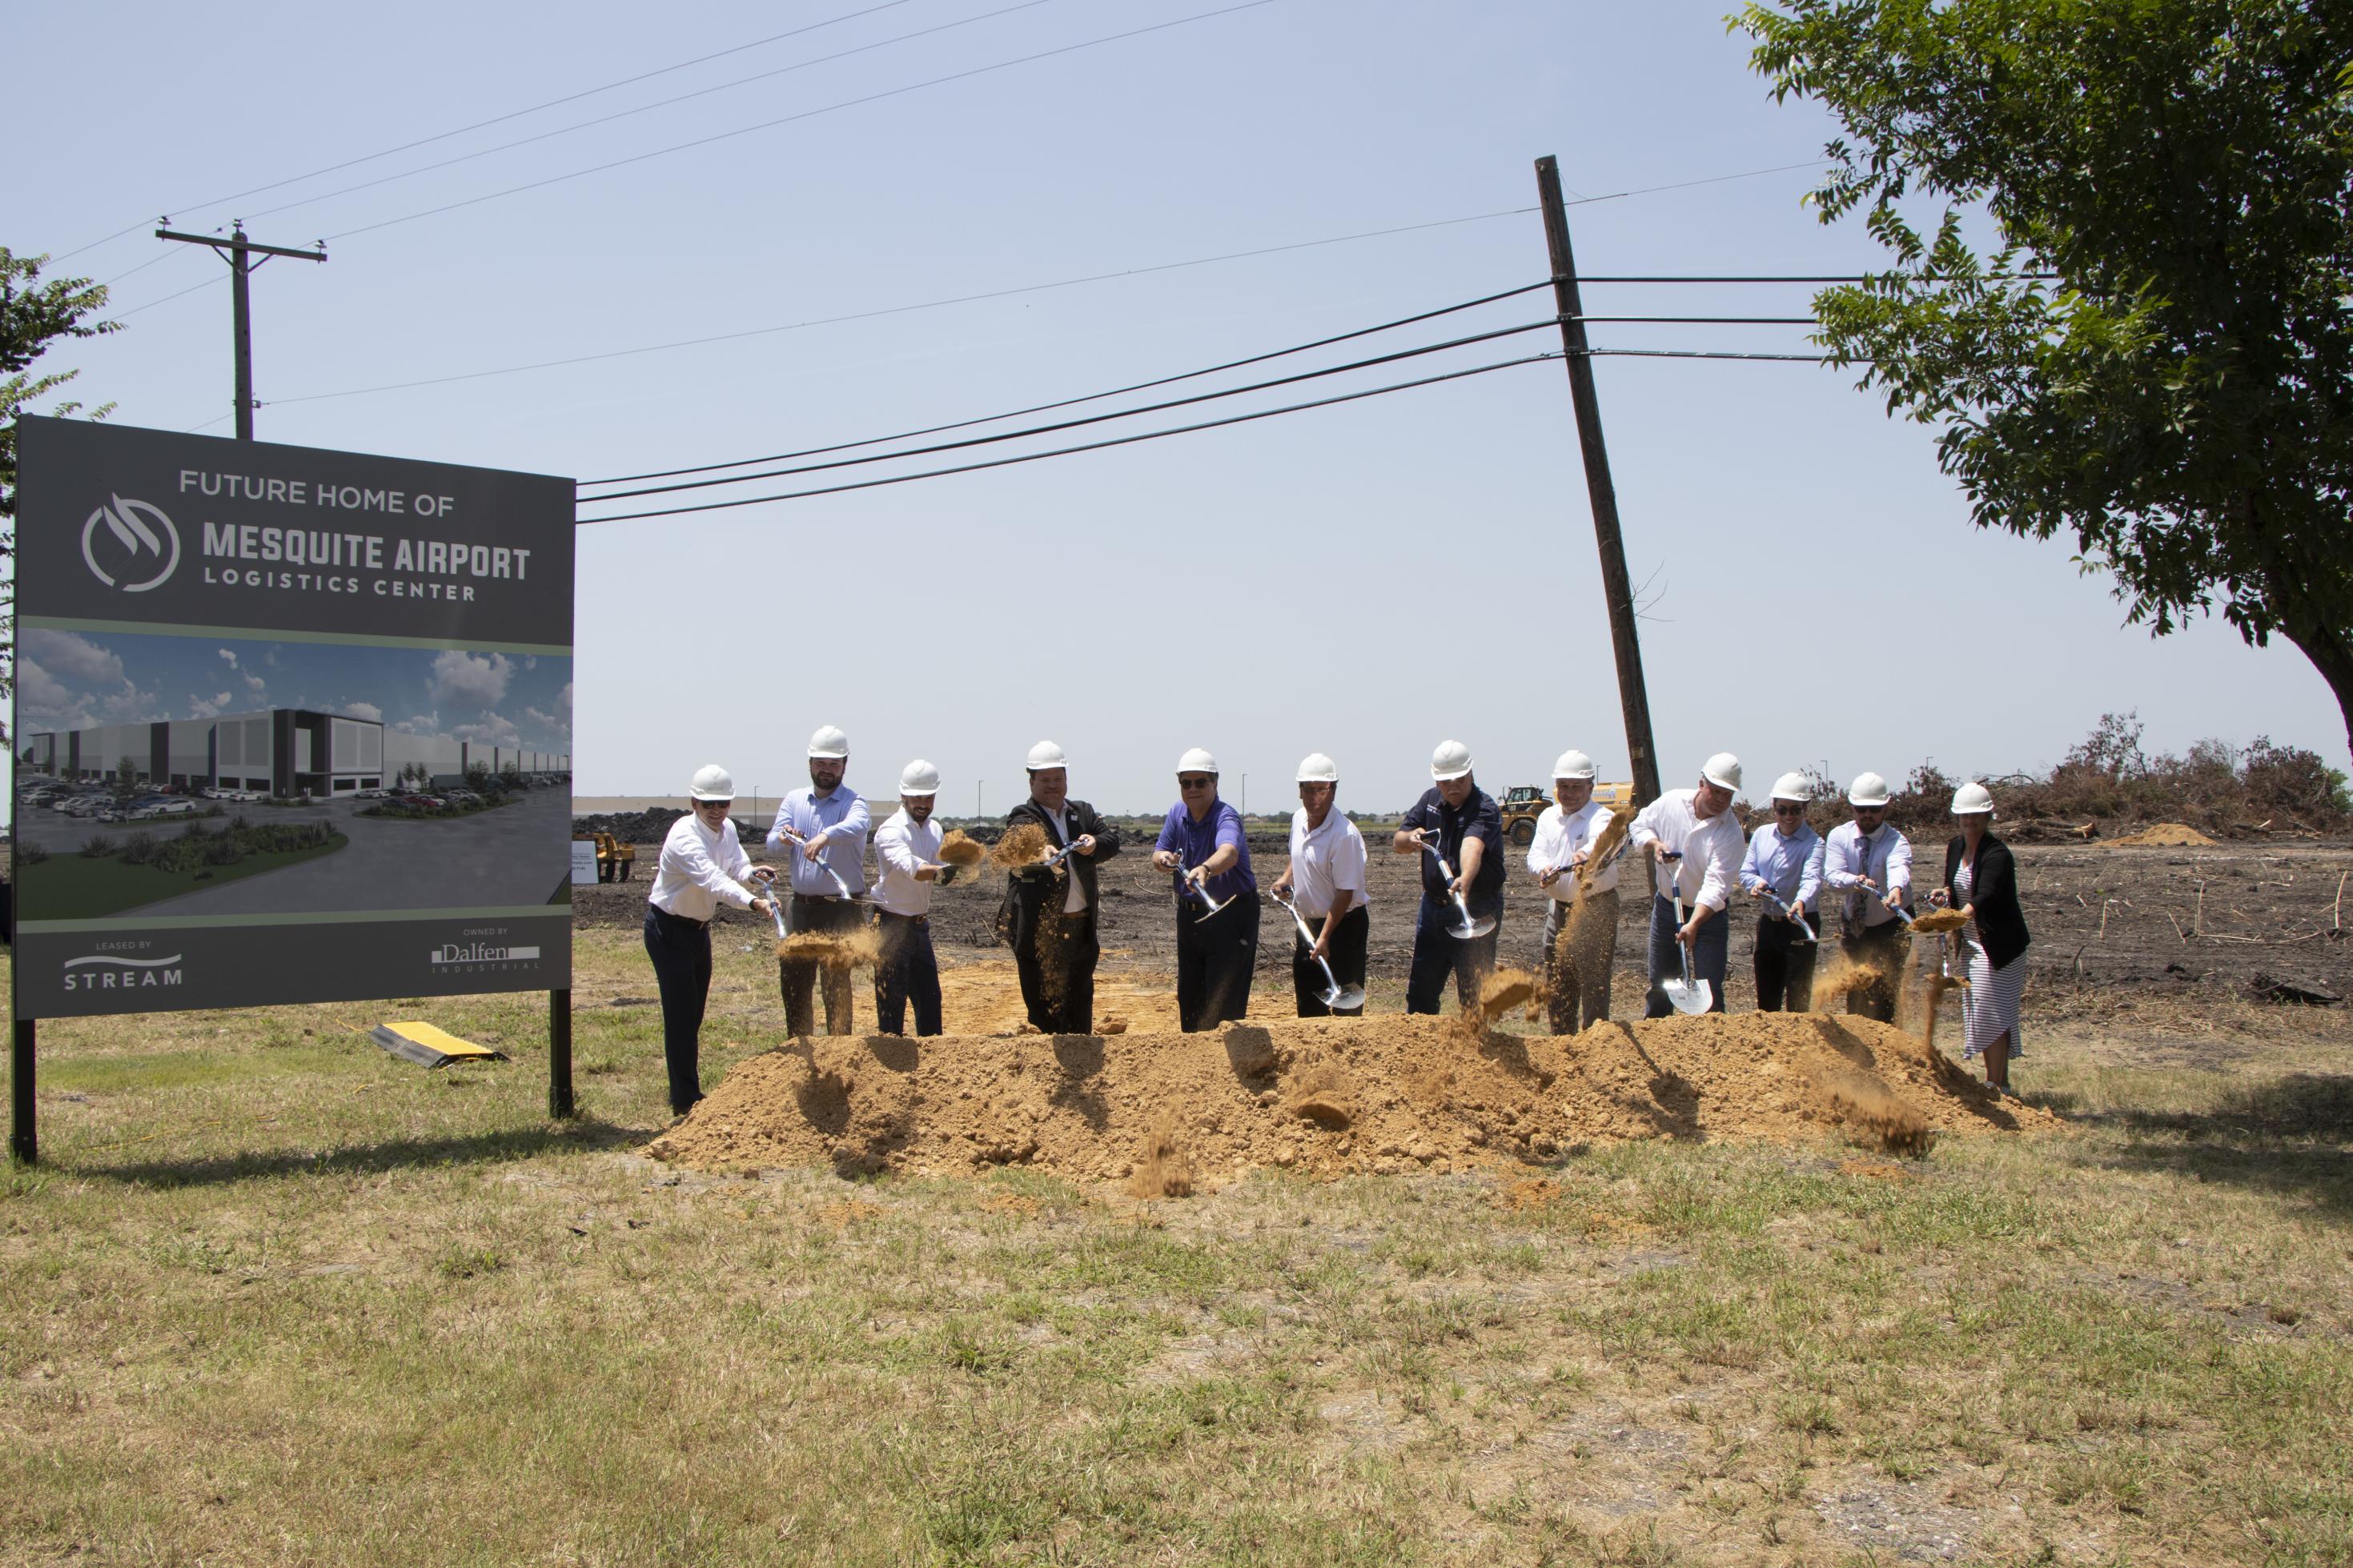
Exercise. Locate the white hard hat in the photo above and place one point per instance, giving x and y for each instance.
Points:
(1046, 754)
(1197, 760)
(1317, 768)
(1972, 798)
(1793, 787)
(1450, 761)
(828, 741)
(1722, 770)
(712, 782)
(1573, 764)
(918, 777)
(1868, 789)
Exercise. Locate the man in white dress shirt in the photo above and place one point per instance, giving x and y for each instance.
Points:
(1576, 973)
(1326, 881)
(906, 868)
(1870, 863)
(1699, 844)
(821, 832)
(702, 866)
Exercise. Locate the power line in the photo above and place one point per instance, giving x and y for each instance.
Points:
(1710, 321)
(1711, 354)
(1087, 446)
(648, 108)
(806, 114)
(497, 120)
(1088, 419)
(1069, 402)
(207, 283)
(903, 309)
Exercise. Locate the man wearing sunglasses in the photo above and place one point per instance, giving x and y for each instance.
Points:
(1783, 872)
(1871, 864)
(1201, 841)
(702, 866)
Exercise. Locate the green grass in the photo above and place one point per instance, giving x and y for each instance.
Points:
(79, 887)
(277, 1297)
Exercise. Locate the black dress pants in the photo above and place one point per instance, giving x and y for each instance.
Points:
(1057, 969)
(1214, 955)
(1785, 967)
(907, 971)
(681, 950)
(1348, 960)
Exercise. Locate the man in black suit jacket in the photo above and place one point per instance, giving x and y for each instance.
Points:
(1048, 916)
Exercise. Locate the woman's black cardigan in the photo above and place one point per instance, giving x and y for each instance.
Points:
(1994, 892)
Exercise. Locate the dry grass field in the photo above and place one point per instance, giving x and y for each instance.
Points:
(275, 1296)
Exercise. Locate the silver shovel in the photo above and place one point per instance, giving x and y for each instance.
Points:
(1471, 928)
(796, 841)
(1794, 916)
(1339, 999)
(1188, 889)
(1686, 996)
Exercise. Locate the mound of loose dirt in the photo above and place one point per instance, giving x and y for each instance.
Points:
(1381, 1094)
(2162, 835)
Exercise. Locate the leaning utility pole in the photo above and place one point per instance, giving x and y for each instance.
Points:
(1616, 585)
(238, 251)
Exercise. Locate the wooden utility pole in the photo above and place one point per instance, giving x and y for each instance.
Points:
(239, 252)
(1617, 586)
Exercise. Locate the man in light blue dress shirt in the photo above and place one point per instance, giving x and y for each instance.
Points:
(1783, 872)
(820, 833)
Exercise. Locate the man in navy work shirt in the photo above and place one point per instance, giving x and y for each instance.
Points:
(1461, 821)
(1202, 841)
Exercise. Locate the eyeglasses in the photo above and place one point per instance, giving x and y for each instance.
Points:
(1195, 783)
(1789, 810)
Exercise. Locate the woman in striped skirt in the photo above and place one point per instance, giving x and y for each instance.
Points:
(1981, 881)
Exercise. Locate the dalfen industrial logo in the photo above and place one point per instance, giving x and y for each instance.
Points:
(138, 537)
(481, 954)
(110, 972)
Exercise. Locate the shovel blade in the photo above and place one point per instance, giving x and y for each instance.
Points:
(1344, 999)
(1477, 928)
(1690, 997)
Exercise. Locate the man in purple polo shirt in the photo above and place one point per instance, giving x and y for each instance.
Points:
(1202, 841)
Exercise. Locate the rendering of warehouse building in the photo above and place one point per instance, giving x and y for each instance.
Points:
(284, 750)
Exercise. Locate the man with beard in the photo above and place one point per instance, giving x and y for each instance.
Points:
(821, 831)
(906, 862)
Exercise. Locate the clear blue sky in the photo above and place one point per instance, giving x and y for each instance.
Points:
(1364, 579)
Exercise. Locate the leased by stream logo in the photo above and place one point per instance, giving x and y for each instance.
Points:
(107, 972)
(139, 540)
(477, 954)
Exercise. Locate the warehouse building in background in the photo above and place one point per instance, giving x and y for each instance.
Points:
(282, 751)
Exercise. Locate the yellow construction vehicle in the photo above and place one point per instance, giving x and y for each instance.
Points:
(1523, 804)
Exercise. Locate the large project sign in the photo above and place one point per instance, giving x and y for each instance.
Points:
(290, 725)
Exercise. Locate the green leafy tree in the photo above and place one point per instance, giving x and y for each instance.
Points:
(33, 315)
(2154, 353)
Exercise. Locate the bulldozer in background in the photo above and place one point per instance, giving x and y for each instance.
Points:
(1523, 804)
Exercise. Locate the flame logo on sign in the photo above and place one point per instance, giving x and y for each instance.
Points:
(140, 529)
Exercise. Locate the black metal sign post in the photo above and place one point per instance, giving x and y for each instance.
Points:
(375, 628)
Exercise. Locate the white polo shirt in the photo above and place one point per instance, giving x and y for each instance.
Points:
(1323, 861)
